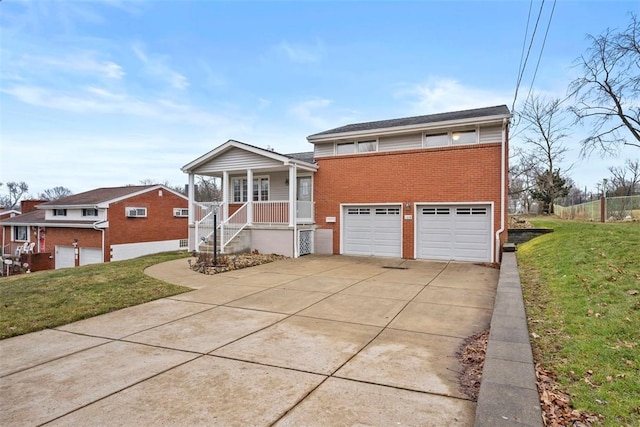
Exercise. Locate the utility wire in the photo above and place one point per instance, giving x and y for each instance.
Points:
(524, 44)
(533, 35)
(544, 41)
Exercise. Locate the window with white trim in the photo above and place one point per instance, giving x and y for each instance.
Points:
(89, 212)
(260, 189)
(180, 212)
(136, 212)
(345, 148)
(351, 147)
(444, 139)
(20, 233)
(59, 212)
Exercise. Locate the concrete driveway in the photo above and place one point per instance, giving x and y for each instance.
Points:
(332, 340)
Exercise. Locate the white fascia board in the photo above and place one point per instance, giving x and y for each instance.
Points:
(405, 129)
(49, 224)
(106, 203)
(189, 167)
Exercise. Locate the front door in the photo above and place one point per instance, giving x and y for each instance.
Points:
(304, 205)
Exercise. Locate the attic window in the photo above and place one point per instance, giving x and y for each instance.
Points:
(59, 212)
(89, 212)
(346, 148)
(457, 137)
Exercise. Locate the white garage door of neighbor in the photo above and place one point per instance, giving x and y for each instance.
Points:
(65, 257)
(372, 231)
(90, 256)
(459, 233)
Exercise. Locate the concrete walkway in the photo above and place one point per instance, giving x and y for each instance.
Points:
(317, 340)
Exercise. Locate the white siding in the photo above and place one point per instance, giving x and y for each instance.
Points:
(490, 134)
(323, 150)
(237, 159)
(134, 250)
(278, 190)
(400, 142)
(74, 215)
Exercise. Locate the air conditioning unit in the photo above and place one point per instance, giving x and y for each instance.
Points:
(180, 212)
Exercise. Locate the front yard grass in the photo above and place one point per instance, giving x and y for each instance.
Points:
(581, 286)
(31, 302)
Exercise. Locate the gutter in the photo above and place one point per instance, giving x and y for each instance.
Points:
(502, 188)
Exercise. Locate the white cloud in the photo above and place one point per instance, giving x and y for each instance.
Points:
(307, 112)
(441, 95)
(263, 103)
(301, 53)
(156, 65)
(98, 100)
(79, 63)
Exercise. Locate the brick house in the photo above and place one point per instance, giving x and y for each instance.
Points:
(426, 187)
(101, 225)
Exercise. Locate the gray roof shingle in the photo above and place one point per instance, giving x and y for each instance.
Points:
(99, 195)
(418, 120)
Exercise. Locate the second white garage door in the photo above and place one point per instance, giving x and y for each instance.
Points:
(372, 231)
(90, 256)
(459, 233)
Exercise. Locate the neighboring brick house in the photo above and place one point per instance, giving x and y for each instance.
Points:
(101, 225)
(6, 214)
(427, 187)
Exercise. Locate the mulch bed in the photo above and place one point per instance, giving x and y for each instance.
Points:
(204, 264)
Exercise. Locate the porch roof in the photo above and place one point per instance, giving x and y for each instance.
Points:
(246, 156)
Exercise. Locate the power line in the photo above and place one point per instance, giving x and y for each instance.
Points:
(533, 35)
(544, 41)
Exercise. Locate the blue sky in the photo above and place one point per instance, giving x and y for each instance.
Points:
(107, 93)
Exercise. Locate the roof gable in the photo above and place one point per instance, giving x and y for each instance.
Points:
(239, 155)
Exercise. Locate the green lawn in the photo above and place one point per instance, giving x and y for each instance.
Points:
(31, 302)
(581, 286)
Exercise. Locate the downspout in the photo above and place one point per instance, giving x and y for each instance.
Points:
(502, 188)
(95, 227)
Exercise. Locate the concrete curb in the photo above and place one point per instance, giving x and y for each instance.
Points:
(508, 392)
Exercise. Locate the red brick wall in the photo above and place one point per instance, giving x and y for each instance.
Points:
(159, 224)
(456, 174)
(29, 205)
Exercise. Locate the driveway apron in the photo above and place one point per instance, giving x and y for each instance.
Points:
(313, 341)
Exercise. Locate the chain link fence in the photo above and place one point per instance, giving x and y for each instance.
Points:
(617, 209)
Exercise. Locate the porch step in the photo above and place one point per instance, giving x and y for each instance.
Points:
(240, 243)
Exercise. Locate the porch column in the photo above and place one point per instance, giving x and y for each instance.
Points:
(225, 196)
(191, 194)
(293, 183)
(249, 196)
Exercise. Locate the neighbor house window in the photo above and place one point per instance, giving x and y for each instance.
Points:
(260, 189)
(59, 212)
(20, 233)
(89, 212)
(136, 212)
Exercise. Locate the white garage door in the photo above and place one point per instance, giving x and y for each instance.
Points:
(65, 257)
(372, 230)
(460, 233)
(90, 256)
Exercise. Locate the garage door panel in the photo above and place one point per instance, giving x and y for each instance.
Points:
(461, 233)
(372, 231)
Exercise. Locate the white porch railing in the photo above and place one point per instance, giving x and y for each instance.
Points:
(271, 212)
(233, 225)
(274, 212)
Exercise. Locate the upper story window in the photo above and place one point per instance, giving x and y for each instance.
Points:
(59, 212)
(89, 212)
(357, 147)
(136, 212)
(443, 139)
(260, 189)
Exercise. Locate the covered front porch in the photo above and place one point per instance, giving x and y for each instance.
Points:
(267, 195)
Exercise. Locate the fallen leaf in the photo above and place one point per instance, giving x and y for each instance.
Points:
(633, 292)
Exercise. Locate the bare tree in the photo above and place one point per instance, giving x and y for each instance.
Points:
(544, 135)
(207, 189)
(55, 193)
(625, 180)
(15, 192)
(523, 170)
(606, 94)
